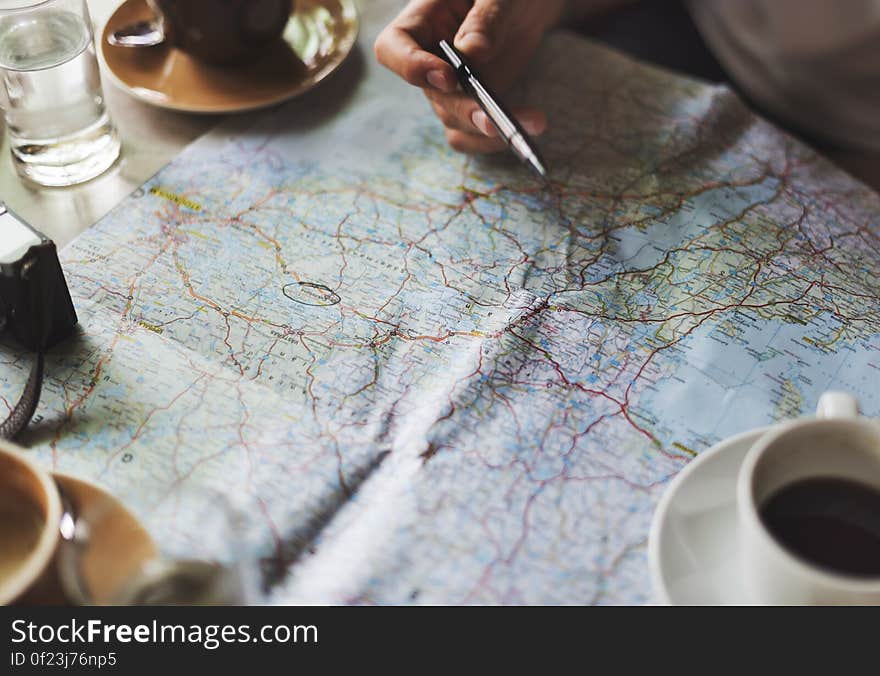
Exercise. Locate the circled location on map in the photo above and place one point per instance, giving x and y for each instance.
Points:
(311, 293)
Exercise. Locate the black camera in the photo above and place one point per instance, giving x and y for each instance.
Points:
(35, 305)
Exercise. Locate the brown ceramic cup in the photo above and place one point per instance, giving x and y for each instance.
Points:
(223, 32)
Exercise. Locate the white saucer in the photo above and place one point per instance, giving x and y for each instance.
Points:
(693, 548)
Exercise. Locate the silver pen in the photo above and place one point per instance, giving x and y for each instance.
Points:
(509, 129)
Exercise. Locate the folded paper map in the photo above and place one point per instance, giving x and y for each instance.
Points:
(427, 378)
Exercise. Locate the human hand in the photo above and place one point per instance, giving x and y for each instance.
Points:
(497, 36)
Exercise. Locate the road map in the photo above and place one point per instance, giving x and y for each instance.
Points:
(427, 378)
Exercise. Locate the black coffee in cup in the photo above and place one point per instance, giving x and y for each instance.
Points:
(830, 522)
(223, 31)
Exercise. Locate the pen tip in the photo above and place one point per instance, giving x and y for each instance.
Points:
(541, 170)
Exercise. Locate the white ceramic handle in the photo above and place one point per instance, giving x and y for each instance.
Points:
(837, 405)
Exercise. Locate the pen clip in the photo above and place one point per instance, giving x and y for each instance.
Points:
(456, 60)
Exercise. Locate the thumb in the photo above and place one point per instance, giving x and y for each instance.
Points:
(483, 31)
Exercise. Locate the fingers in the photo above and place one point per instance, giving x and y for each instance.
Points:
(533, 122)
(400, 48)
(398, 51)
(460, 111)
(484, 29)
(473, 144)
(456, 111)
(468, 128)
(481, 29)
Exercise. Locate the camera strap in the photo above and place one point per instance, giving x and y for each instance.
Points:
(23, 411)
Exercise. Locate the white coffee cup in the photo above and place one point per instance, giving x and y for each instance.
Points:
(837, 443)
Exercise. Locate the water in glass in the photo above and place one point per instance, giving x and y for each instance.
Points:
(59, 130)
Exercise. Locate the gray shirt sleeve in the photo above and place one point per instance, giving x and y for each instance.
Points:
(813, 63)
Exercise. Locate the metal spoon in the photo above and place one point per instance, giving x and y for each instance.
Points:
(172, 582)
(74, 537)
(141, 34)
(159, 582)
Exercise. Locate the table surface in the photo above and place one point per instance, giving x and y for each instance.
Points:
(151, 137)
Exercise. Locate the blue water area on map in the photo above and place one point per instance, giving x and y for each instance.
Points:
(735, 385)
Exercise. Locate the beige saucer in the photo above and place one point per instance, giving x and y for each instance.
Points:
(319, 36)
(116, 548)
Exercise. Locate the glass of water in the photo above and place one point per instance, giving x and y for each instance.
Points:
(59, 130)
